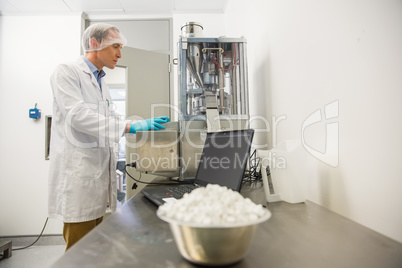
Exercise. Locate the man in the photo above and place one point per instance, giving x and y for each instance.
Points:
(82, 173)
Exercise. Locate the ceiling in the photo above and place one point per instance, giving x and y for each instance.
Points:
(112, 6)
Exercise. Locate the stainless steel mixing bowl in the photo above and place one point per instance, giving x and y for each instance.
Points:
(213, 245)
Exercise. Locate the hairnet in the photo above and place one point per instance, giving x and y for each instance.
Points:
(104, 34)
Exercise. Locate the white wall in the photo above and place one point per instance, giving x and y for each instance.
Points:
(30, 48)
(304, 55)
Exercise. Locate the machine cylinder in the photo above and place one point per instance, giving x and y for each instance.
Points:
(191, 29)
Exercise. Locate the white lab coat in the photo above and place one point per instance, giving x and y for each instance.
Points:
(83, 136)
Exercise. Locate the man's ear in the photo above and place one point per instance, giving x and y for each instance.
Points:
(94, 43)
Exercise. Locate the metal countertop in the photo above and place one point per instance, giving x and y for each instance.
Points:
(297, 235)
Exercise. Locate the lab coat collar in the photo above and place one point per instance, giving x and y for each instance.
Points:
(85, 68)
(83, 65)
(91, 66)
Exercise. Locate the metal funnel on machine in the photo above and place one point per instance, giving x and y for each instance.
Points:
(194, 56)
(194, 63)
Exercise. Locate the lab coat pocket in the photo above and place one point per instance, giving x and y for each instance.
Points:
(87, 164)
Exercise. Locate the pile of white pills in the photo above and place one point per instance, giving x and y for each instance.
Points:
(213, 205)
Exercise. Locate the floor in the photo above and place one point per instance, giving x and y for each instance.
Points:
(45, 252)
(34, 257)
(42, 254)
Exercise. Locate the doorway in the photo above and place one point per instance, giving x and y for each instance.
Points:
(116, 81)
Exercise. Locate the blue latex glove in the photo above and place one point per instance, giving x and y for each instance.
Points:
(148, 124)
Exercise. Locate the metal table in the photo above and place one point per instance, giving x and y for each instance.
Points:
(297, 235)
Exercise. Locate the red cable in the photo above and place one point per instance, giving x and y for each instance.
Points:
(233, 65)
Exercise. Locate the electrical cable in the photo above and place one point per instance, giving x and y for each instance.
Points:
(150, 183)
(253, 174)
(40, 235)
(233, 63)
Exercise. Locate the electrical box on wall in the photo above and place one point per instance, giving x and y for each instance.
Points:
(34, 113)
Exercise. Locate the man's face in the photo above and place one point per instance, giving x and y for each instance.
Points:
(109, 56)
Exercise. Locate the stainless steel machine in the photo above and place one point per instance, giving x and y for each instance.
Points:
(213, 96)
